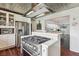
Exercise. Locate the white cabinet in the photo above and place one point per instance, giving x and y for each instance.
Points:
(7, 30)
(3, 18)
(6, 19)
(7, 41)
(11, 39)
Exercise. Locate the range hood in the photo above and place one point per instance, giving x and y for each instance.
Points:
(37, 10)
(39, 6)
(40, 11)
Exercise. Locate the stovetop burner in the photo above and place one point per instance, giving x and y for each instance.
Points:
(36, 39)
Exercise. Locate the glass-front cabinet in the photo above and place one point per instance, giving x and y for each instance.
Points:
(6, 23)
(2, 18)
(6, 17)
(11, 20)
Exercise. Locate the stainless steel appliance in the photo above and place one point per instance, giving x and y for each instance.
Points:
(32, 44)
(22, 28)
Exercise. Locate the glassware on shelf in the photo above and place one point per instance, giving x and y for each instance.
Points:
(2, 18)
(11, 20)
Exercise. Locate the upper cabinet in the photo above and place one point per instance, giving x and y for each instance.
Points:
(2, 18)
(11, 20)
(7, 23)
(6, 19)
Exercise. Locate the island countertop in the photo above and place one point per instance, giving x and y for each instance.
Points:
(55, 36)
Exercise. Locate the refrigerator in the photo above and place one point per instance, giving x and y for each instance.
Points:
(21, 28)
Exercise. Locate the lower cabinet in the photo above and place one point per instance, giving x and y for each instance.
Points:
(7, 41)
(11, 39)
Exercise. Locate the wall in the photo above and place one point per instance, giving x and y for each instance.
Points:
(34, 25)
(23, 19)
(42, 23)
(74, 30)
(60, 22)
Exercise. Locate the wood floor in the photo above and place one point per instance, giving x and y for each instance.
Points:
(16, 52)
(10, 52)
(66, 52)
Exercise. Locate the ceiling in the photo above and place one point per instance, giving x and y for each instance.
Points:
(17, 7)
(61, 6)
(24, 7)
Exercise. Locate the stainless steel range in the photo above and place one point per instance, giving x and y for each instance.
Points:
(32, 44)
(35, 39)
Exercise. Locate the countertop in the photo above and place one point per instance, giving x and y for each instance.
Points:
(55, 36)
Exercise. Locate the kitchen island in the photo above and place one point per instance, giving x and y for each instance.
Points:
(48, 48)
(52, 45)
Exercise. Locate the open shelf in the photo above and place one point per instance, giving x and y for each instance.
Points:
(6, 31)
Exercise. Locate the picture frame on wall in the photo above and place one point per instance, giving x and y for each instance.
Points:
(39, 26)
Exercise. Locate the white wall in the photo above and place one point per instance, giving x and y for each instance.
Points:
(22, 19)
(34, 25)
(60, 21)
(74, 30)
(42, 23)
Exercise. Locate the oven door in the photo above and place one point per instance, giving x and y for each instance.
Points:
(31, 49)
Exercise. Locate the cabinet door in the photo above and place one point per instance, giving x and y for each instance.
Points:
(3, 42)
(3, 37)
(11, 20)
(2, 18)
(11, 39)
(7, 41)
